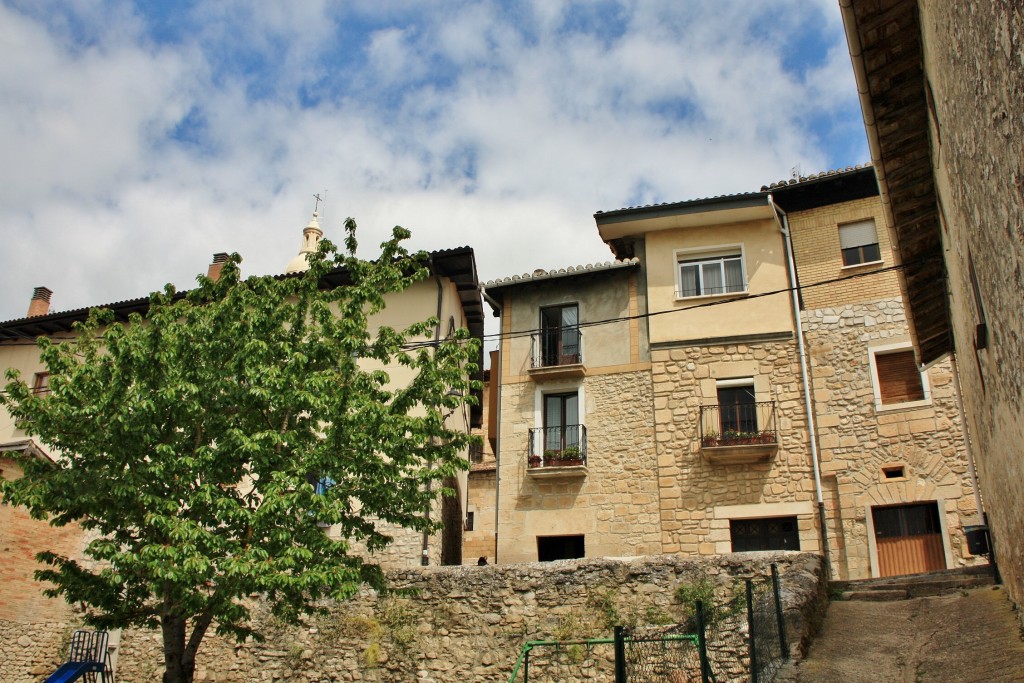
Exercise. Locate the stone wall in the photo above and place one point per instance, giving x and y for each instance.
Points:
(464, 624)
(858, 439)
(974, 64)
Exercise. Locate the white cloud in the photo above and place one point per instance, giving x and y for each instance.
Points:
(503, 127)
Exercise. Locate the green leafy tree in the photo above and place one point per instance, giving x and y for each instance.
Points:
(192, 438)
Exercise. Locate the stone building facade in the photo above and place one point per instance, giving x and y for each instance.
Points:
(898, 458)
(941, 84)
(734, 362)
(577, 464)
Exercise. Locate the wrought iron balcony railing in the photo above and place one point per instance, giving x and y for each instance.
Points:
(739, 424)
(558, 446)
(556, 346)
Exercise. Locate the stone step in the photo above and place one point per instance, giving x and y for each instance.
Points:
(960, 573)
(913, 586)
(878, 595)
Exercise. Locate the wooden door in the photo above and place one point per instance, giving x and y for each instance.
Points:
(908, 539)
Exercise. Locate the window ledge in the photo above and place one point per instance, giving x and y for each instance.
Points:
(895, 407)
(866, 264)
(557, 472)
(706, 297)
(740, 454)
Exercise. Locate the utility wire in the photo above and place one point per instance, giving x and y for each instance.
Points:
(412, 346)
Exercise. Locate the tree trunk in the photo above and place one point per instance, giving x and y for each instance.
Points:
(177, 667)
(179, 656)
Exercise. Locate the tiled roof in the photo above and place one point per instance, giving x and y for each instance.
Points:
(688, 202)
(541, 274)
(814, 176)
(458, 264)
(740, 195)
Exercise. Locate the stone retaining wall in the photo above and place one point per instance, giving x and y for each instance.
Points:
(462, 624)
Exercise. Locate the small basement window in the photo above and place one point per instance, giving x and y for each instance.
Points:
(551, 548)
(766, 533)
(895, 472)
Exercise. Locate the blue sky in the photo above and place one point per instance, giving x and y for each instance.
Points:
(139, 138)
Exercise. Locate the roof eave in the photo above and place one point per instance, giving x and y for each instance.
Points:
(891, 84)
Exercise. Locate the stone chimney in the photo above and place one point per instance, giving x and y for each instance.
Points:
(219, 259)
(40, 304)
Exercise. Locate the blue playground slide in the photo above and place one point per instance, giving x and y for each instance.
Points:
(87, 658)
(73, 671)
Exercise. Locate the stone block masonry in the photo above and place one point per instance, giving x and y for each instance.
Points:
(694, 490)
(453, 624)
(615, 505)
(920, 444)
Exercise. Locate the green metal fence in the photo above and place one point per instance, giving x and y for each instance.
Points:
(670, 654)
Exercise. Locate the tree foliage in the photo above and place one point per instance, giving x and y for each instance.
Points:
(192, 437)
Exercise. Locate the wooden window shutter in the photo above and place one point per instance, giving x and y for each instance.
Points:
(899, 380)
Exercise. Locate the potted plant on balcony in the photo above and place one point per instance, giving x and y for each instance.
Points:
(570, 456)
(709, 440)
(534, 461)
(735, 437)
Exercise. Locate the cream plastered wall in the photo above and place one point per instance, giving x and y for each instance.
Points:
(415, 304)
(599, 296)
(22, 356)
(764, 262)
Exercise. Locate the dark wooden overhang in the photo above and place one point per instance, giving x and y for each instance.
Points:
(885, 46)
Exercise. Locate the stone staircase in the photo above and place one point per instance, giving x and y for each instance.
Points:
(914, 585)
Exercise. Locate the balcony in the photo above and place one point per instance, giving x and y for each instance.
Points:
(739, 434)
(557, 353)
(558, 452)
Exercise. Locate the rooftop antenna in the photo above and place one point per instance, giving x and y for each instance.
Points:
(794, 173)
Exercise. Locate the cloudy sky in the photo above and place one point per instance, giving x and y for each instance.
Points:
(138, 138)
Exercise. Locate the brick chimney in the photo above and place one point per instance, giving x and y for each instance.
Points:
(40, 304)
(219, 260)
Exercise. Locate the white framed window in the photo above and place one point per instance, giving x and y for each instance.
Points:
(710, 273)
(898, 381)
(859, 243)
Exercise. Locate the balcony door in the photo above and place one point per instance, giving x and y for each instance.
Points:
(561, 421)
(560, 335)
(737, 408)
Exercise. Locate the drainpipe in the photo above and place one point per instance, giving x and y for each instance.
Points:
(783, 224)
(497, 439)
